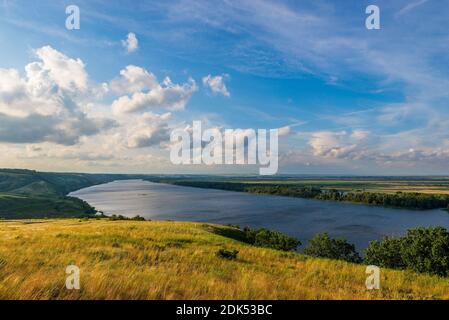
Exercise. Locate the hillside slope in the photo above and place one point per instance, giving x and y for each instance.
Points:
(35, 182)
(177, 260)
(32, 194)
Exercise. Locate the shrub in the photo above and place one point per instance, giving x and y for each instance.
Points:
(120, 217)
(138, 218)
(427, 250)
(227, 254)
(260, 237)
(325, 247)
(271, 239)
(421, 250)
(385, 253)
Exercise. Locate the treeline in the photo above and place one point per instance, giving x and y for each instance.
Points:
(408, 200)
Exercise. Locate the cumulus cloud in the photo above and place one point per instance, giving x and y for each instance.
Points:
(145, 92)
(69, 74)
(12, 89)
(134, 79)
(340, 144)
(131, 43)
(149, 130)
(41, 128)
(45, 104)
(396, 151)
(216, 84)
(52, 110)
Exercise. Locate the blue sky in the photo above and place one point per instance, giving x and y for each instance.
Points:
(355, 101)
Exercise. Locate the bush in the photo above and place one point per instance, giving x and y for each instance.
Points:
(385, 253)
(325, 247)
(227, 254)
(427, 250)
(271, 239)
(120, 217)
(421, 250)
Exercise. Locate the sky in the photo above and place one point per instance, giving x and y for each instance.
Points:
(105, 97)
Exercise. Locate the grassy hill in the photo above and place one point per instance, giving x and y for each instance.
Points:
(35, 182)
(33, 194)
(177, 260)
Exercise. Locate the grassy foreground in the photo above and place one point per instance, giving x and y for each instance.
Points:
(177, 260)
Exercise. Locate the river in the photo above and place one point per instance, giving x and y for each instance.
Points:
(301, 218)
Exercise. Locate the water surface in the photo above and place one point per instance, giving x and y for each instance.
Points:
(301, 218)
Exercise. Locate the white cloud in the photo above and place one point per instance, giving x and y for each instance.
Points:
(54, 112)
(68, 74)
(131, 43)
(284, 131)
(216, 84)
(410, 7)
(359, 135)
(12, 90)
(340, 144)
(45, 104)
(149, 130)
(134, 79)
(145, 92)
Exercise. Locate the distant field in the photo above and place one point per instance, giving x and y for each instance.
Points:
(429, 185)
(177, 260)
(390, 186)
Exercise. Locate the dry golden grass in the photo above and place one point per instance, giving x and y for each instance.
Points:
(177, 260)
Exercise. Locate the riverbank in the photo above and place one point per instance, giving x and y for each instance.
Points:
(399, 199)
(300, 218)
(178, 260)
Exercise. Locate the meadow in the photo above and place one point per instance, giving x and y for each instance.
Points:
(178, 260)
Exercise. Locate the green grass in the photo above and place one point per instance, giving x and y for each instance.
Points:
(22, 206)
(178, 260)
(33, 194)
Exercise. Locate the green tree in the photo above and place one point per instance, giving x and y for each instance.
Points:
(271, 239)
(325, 247)
(421, 250)
(385, 253)
(427, 250)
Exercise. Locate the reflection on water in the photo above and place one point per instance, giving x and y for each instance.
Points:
(301, 218)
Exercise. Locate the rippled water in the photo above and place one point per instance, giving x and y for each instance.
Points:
(301, 218)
